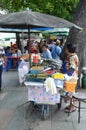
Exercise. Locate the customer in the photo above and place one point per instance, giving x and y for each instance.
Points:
(56, 50)
(72, 64)
(2, 61)
(46, 52)
(9, 59)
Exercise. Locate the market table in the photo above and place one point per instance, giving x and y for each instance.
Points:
(37, 94)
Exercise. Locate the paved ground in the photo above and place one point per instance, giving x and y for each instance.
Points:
(11, 115)
(15, 116)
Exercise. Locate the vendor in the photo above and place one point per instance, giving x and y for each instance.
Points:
(46, 52)
(71, 61)
(72, 64)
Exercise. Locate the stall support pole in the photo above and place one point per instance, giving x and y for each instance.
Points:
(29, 46)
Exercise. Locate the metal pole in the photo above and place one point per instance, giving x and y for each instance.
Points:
(29, 46)
(79, 111)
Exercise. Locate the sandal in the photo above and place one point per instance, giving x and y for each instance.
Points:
(67, 98)
(70, 109)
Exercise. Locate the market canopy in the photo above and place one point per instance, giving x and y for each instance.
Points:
(57, 31)
(26, 19)
(14, 30)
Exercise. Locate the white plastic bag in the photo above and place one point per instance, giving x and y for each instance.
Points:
(22, 71)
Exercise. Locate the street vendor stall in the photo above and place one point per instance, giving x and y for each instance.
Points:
(43, 84)
(46, 84)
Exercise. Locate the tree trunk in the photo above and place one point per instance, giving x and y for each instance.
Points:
(79, 37)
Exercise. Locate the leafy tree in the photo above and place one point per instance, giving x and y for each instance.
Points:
(61, 8)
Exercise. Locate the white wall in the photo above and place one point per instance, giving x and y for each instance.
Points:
(7, 35)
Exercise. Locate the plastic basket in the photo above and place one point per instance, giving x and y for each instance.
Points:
(58, 76)
(70, 86)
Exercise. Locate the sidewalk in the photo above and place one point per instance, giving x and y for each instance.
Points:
(15, 116)
(11, 115)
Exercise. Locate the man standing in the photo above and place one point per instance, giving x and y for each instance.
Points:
(2, 61)
(56, 50)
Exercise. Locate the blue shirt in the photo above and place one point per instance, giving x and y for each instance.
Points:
(56, 51)
(47, 54)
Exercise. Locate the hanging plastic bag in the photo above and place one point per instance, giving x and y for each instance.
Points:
(22, 71)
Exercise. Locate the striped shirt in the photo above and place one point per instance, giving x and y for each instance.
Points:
(2, 52)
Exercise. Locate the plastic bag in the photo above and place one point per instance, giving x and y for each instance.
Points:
(22, 71)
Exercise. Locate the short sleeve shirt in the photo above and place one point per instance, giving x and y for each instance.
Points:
(47, 54)
(73, 62)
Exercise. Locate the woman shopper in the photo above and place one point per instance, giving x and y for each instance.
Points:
(72, 64)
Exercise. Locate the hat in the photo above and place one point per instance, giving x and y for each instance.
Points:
(58, 42)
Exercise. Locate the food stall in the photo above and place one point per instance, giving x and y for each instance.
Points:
(43, 81)
(46, 84)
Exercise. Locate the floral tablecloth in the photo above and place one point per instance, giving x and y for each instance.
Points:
(38, 94)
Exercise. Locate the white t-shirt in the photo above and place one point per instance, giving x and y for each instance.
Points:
(2, 52)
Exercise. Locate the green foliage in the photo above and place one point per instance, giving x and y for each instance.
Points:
(60, 8)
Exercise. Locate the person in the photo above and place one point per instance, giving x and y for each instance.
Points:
(51, 45)
(46, 52)
(72, 63)
(19, 53)
(9, 59)
(26, 50)
(16, 54)
(40, 46)
(33, 49)
(56, 50)
(2, 61)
